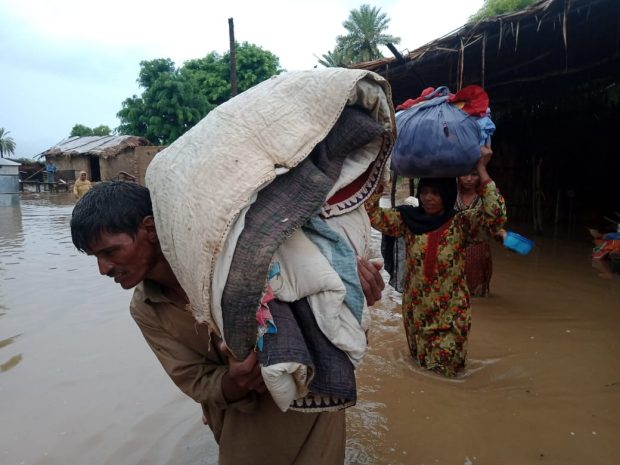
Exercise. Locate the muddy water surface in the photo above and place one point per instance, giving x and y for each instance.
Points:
(79, 385)
(543, 378)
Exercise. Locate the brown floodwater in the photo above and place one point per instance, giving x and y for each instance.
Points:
(79, 385)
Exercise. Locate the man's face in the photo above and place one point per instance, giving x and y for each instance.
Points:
(124, 258)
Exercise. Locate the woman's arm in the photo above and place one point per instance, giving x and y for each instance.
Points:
(386, 220)
(486, 222)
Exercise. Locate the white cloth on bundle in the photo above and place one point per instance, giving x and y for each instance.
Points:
(306, 272)
(203, 185)
(202, 182)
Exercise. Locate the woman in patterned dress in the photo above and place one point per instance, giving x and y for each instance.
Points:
(478, 261)
(436, 301)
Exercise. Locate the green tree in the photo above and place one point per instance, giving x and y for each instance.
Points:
(492, 8)
(152, 70)
(168, 107)
(102, 130)
(7, 144)
(174, 99)
(366, 31)
(211, 74)
(79, 130)
(132, 117)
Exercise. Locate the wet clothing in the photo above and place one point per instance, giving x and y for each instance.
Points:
(251, 430)
(436, 301)
(81, 187)
(479, 269)
(478, 261)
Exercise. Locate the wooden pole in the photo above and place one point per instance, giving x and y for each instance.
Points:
(484, 51)
(393, 190)
(233, 58)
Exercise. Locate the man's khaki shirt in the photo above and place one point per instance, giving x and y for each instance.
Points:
(250, 431)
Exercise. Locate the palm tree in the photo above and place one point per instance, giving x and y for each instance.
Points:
(334, 59)
(366, 28)
(7, 144)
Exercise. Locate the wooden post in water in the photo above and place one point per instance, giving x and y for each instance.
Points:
(233, 58)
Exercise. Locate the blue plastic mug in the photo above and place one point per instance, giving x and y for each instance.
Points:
(517, 243)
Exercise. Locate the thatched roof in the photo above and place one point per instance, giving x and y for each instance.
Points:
(100, 146)
(551, 46)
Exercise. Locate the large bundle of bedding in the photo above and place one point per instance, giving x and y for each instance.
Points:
(280, 169)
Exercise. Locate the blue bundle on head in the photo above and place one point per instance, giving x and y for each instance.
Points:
(441, 134)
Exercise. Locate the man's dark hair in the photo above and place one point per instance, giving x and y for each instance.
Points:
(111, 207)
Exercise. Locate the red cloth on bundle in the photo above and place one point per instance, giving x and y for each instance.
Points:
(474, 99)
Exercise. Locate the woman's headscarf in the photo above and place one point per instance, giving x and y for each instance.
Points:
(417, 220)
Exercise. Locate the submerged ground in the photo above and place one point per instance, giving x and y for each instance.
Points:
(79, 385)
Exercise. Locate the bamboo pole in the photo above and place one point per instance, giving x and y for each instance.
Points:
(34, 174)
(565, 32)
(233, 58)
(484, 51)
(461, 65)
(393, 189)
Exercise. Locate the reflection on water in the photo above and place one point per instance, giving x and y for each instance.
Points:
(78, 376)
(10, 225)
(14, 360)
(9, 200)
(542, 382)
(8, 340)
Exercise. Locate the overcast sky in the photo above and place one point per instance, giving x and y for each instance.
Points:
(65, 62)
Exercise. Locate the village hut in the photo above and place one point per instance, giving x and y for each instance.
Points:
(552, 72)
(102, 157)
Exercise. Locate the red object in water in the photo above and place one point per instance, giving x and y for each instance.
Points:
(603, 248)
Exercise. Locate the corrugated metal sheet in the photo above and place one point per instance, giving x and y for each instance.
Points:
(9, 184)
(5, 162)
(101, 146)
(89, 144)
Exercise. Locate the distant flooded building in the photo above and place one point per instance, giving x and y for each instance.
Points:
(102, 157)
(9, 182)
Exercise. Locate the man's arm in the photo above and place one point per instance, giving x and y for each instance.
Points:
(204, 378)
(242, 377)
(370, 279)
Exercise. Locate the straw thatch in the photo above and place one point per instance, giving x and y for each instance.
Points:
(552, 72)
(553, 42)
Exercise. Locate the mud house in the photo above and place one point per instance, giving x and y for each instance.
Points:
(102, 157)
(552, 72)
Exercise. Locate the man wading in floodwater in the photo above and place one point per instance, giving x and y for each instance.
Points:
(114, 222)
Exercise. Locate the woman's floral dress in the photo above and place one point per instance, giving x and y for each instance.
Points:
(436, 301)
(478, 259)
